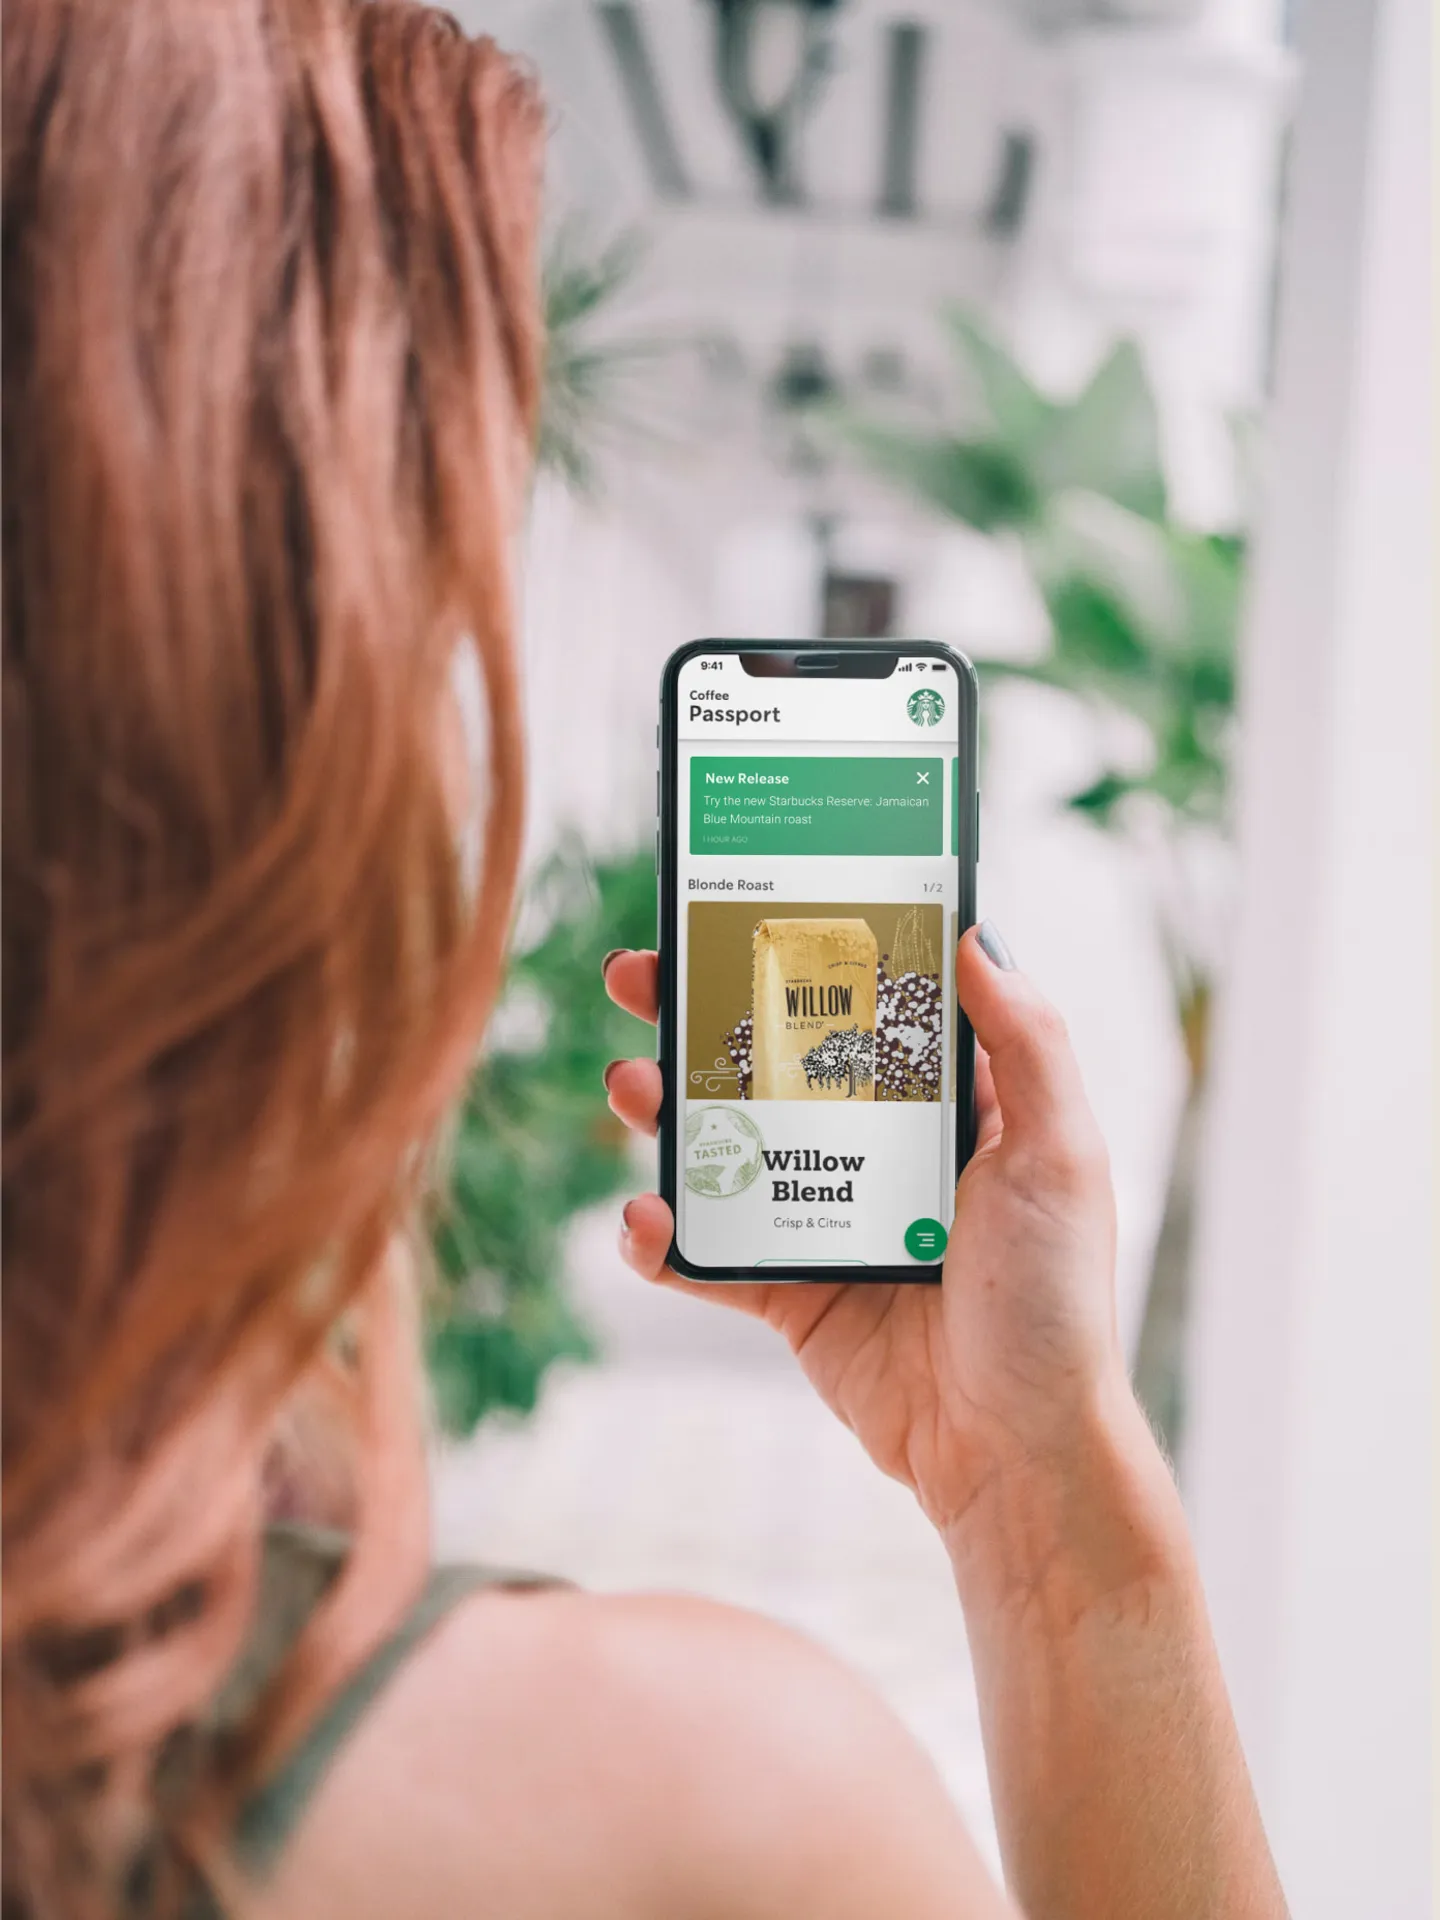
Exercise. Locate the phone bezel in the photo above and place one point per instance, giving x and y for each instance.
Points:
(667, 862)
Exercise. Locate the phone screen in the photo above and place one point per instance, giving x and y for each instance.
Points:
(817, 835)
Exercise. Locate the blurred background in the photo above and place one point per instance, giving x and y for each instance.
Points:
(1091, 336)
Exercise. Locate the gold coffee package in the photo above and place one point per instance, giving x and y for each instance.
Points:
(814, 1031)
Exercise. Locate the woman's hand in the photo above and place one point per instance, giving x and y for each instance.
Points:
(997, 1370)
(1001, 1397)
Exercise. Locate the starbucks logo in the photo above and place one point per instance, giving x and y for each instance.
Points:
(722, 1152)
(925, 707)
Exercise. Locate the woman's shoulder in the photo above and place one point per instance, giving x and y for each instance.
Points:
(557, 1752)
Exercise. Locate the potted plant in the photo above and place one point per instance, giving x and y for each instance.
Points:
(1142, 624)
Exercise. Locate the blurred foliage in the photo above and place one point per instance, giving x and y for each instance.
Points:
(578, 284)
(1150, 631)
(1143, 614)
(1022, 449)
(597, 377)
(1143, 611)
(535, 1142)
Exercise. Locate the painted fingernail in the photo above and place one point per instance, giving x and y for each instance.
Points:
(613, 954)
(609, 1071)
(987, 938)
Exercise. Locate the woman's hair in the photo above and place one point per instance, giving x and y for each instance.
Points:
(271, 349)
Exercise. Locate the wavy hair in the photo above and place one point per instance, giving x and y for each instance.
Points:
(270, 368)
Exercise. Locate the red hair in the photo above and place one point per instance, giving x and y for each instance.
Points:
(271, 357)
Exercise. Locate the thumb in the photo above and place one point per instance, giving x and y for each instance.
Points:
(1042, 1101)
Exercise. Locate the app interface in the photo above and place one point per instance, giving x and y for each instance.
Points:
(817, 893)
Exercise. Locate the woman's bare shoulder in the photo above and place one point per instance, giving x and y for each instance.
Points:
(562, 1753)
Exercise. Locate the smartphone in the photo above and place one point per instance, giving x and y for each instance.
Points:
(818, 839)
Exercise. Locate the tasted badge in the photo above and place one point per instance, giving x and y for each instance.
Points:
(722, 1152)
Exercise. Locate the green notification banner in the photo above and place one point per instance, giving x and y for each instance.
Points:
(765, 805)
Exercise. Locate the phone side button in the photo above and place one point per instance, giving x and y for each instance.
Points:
(977, 829)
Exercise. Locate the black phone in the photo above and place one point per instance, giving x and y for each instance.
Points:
(817, 847)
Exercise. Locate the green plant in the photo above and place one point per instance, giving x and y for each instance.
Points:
(1143, 614)
(535, 1142)
(578, 285)
(591, 395)
(1014, 450)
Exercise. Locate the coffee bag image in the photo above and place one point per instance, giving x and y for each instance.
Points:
(901, 1053)
(813, 1034)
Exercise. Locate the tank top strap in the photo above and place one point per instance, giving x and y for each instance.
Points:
(272, 1813)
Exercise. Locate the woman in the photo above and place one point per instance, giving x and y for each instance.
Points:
(270, 371)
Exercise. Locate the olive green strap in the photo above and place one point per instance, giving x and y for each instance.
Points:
(273, 1812)
(300, 1563)
(270, 1816)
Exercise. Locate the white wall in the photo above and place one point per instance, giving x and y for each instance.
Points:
(1311, 1451)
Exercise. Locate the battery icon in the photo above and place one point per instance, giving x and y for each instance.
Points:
(937, 666)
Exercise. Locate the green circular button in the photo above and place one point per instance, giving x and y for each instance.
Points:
(925, 1239)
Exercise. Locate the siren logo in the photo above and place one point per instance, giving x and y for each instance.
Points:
(925, 707)
(723, 1149)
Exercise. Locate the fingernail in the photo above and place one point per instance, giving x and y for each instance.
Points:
(609, 1070)
(613, 954)
(987, 938)
(625, 1216)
